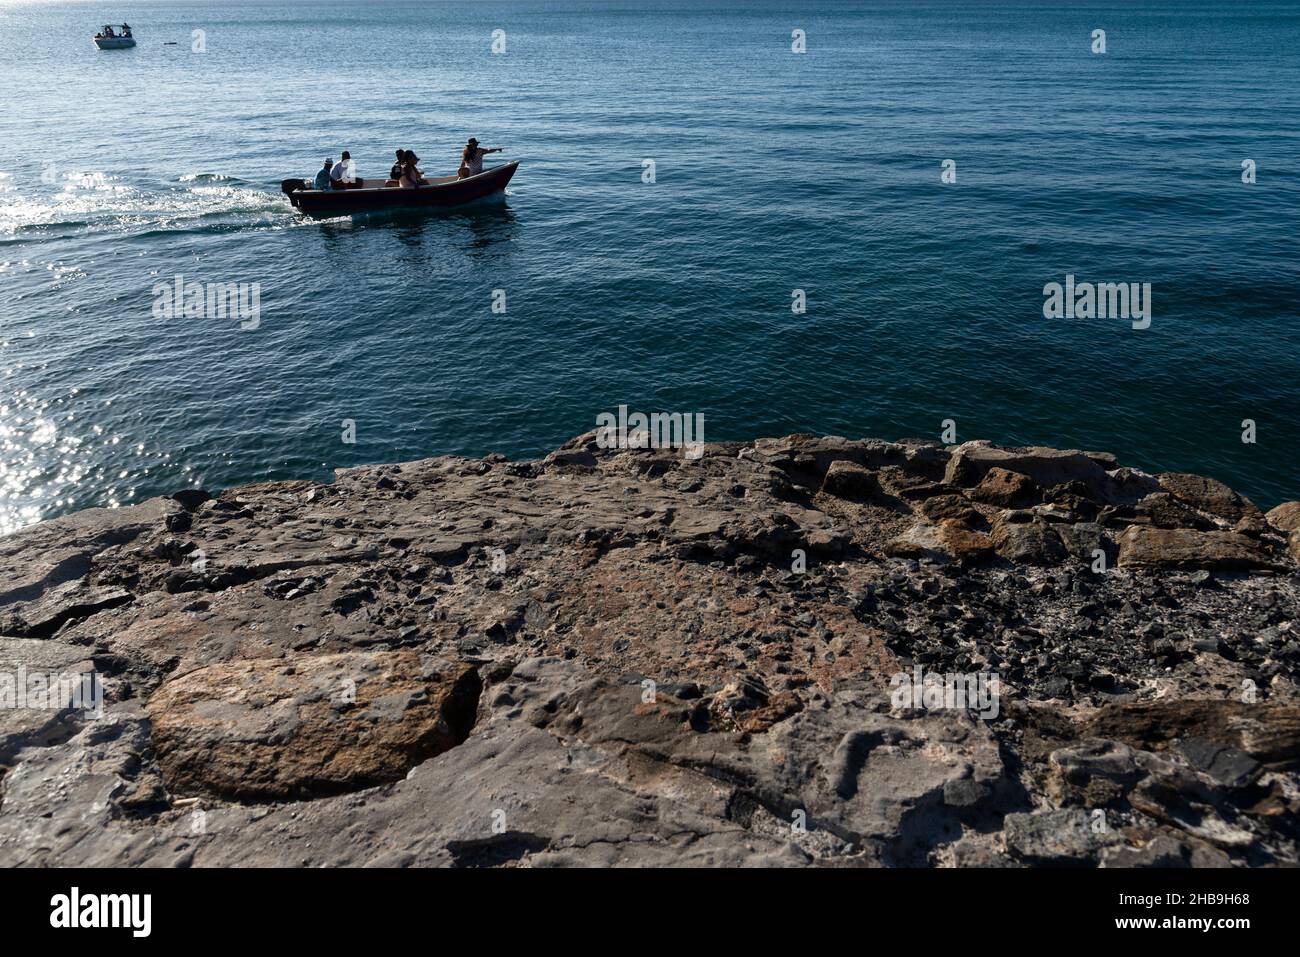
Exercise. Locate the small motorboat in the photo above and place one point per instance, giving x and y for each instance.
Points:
(440, 191)
(109, 39)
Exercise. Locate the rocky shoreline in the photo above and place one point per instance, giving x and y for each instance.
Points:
(637, 658)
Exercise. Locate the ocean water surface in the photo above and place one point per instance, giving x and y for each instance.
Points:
(774, 171)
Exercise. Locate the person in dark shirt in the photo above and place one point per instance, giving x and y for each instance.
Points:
(323, 175)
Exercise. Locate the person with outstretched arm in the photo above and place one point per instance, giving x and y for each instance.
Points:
(471, 158)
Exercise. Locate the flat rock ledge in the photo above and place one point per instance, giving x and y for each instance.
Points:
(623, 658)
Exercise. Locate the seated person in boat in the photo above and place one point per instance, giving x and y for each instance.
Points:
(471, 158)
(396, 171)
(323, 175)
(108, 32)
(344, 174)
(126, 30)
(411, 175)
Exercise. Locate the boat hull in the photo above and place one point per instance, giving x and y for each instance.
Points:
(342, 202)
(114, 43)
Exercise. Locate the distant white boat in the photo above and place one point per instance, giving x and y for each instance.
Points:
(110, 39)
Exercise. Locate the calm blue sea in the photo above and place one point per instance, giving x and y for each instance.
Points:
(774, 171)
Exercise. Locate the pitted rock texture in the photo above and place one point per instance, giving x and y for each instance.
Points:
(621, 658)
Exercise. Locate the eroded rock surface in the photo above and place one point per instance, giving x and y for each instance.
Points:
(634, 658)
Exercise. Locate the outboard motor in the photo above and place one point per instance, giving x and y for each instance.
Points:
(289, 185)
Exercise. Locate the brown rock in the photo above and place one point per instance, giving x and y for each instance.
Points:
(942, 507)
(971, 462)
(962, 543)
(948, 541)
(270, 729)
(1029, 543)
(1267, 732)
(1285, 517)
(1207, 495)
(777, 708)
(1252, 524)
(1164, 510)
(1006, 488)
(919, 541)
(845, 479)
(1146, 547)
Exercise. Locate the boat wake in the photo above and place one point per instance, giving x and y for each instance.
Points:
(77, 203)
(208, 178)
